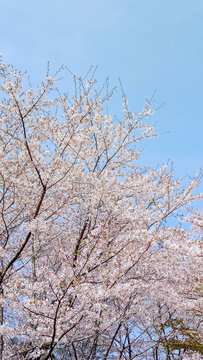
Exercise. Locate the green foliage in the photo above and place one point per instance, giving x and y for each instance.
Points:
(182, 337)
(186, 345)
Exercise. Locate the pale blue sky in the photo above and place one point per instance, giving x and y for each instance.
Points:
(149, 44)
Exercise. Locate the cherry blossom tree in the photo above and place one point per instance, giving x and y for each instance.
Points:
(91, 265)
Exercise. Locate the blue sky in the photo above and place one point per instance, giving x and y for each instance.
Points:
(150, 44)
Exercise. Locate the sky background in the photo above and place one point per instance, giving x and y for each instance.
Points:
(150, 44)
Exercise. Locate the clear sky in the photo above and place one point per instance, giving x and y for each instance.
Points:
(150, 44)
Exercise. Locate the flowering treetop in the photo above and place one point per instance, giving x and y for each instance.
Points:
(85, 242)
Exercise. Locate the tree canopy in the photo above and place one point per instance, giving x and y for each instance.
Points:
(92, 267)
